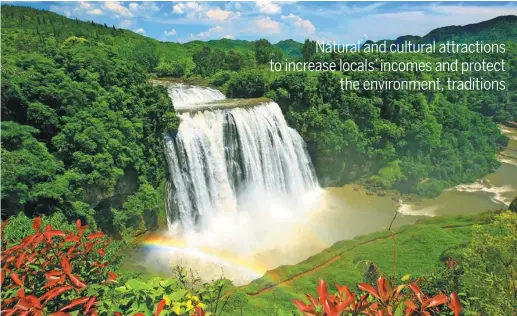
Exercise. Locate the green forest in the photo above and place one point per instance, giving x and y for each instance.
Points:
(81, 143)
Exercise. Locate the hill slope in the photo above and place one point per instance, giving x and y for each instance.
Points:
(422, 247)
(502, 28)
(45, 23)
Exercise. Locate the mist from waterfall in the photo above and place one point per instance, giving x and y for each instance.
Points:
(220, 158)
(240, 186)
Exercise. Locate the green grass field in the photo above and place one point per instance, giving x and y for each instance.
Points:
(419, 249)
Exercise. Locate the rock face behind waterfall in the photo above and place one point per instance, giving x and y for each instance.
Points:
(219, 156)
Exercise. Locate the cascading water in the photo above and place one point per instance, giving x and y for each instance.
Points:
(184, 96)
(240, 187)
(218, 157)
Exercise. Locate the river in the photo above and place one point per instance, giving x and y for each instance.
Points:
(361, 213)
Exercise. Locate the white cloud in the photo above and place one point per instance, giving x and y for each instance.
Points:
(178, 8)
(232, 6)
(268, 25)
(139, 30)
(196, 13)
(221, 15)
(170, 33)
(268, 7)
(133, 6)
(84, 5)
(212, 32)
(78, 9)
(88, 8)
(299, 22)
(117, 8)
(145, 9)
(187, 7)
(96, 12)
(228, 37)
(125, 24)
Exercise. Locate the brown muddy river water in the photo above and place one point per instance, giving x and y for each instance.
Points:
(361, 213)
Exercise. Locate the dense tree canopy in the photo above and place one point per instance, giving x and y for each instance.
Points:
(82, 129)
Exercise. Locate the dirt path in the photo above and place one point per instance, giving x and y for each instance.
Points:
(336, 258)
(320, 266)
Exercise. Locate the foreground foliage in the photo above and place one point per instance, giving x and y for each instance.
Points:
(64, 273)
(491, 260)
(480, 276)
(48, 271)
(383, 300)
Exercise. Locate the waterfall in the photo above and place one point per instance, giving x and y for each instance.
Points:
(218, 158)
(185, 96)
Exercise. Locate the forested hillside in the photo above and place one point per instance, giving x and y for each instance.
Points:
(82, 129)
(414, 142)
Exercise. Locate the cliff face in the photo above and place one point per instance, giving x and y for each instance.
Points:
(126, 186)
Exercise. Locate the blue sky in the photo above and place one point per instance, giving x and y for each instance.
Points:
(344, 22)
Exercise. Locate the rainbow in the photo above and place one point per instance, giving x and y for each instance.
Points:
(250, 269)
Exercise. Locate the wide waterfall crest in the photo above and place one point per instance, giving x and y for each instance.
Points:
(185, 96)
(219, 158)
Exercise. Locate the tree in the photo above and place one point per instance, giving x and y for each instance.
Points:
(170, 69)
(26, 167)
(248, 84)
(145, 55)
(234, 61)
(308, 49)
(204, 61)
(264, 52)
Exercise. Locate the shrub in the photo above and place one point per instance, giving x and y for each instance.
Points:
(490, 264)
(386, 176)
(221, 77)
(250, 84)
(65, 273)
(167, 69)
(383, 300)
(48, 270)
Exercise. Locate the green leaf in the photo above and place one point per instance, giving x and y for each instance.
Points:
(134, 284)
(176, 295)
(122, 289)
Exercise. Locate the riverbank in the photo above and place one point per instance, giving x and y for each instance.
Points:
(493, 191)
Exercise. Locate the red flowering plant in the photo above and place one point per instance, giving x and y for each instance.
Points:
(47, 272)
(56, 272)
(384, 300)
